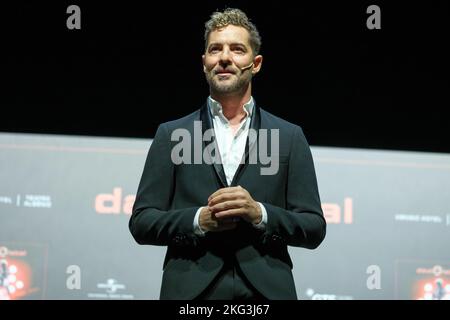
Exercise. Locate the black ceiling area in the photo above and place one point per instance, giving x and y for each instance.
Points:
(133, 66)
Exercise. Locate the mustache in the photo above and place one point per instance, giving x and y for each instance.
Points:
(226, 70)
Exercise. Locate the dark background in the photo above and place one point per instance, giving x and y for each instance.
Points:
(133, 66)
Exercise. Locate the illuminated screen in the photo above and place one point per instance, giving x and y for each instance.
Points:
(65, 203)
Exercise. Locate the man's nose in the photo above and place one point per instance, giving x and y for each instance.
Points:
(225, 57)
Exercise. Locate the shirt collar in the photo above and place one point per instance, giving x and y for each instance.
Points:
(216, 108)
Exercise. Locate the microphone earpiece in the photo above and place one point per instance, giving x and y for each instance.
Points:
(247, 67)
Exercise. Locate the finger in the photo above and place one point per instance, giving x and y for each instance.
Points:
(230, 213)
(221, 198)
(222, 220)
(238, 194)
(224, 190)
(218, 192)
(222, 206)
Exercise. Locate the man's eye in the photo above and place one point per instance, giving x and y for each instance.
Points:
(214, 50)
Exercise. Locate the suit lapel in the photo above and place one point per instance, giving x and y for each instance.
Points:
(255, 124)
(205, 117)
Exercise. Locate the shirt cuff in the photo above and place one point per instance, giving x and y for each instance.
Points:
(197, 229)
(262, 224)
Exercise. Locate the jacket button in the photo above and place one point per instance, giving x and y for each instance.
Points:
(180, 240)
(176, 239)
(276, 237)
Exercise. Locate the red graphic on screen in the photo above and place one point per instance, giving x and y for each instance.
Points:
(15, 279)
(432, 289)
(422, 280)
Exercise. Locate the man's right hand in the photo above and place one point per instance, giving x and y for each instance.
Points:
(208, 222)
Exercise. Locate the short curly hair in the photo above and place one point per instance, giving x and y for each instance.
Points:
(234, 17)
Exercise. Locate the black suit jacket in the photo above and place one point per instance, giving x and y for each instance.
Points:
(169, 195)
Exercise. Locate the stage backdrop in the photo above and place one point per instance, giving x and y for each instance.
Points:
(65, 203)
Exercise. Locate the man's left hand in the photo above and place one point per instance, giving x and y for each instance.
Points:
(234, 202)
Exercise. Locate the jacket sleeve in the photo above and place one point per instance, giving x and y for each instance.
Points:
(152, 220)
(301, 223)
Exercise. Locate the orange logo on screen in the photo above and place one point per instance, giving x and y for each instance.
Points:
(334, 214)
(432, 289)
(114, 203)
(15, 279)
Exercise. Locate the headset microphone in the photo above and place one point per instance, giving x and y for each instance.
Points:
(247, 67)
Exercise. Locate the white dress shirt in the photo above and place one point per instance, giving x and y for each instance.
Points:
(231, 147)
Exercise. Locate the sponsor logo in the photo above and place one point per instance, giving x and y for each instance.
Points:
(111, 289)
(437, 271)
(423, 218)
(311, 294)
(28, 200)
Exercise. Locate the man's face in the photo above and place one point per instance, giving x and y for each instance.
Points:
(227, 52)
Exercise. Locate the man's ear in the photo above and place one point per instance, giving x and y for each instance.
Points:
(257, 62)
(203, 61)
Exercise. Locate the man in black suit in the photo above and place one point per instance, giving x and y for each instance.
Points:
(225, 217)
